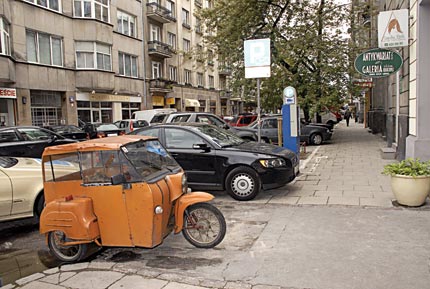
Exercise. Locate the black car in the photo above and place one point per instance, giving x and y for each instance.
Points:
(69, 131)
(209, 118)
(100, 130)
(28, 141)
(216, 159)
(310, 134)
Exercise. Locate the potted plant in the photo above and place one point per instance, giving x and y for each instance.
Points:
(410, 181)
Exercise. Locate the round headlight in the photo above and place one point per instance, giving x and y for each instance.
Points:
(158, 210)
(184, 184)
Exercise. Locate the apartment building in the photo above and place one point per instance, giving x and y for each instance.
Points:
(100, 60)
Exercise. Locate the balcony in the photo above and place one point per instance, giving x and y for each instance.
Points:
(160, 49)
(224, 69)
(159, 13)
(160, 85)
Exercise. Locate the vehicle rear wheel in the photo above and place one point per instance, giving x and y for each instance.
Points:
(204, 225)
(74, 253)
(243, 183)
(316, 139)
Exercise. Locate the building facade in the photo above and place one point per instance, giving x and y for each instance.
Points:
(100, 60)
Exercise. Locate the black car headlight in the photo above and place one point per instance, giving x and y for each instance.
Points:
(184, 184)
(273, 163)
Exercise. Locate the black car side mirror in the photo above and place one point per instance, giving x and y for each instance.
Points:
(201, 146)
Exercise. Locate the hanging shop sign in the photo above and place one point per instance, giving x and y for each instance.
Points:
(378, 62)
(393, 28)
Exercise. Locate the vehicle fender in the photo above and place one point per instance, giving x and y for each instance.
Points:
(187, 200)
(74, 217)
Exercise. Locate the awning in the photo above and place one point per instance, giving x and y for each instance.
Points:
(192, 102)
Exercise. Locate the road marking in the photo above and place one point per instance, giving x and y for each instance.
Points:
(306, 161)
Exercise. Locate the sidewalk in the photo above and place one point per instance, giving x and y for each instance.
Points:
(339, 230)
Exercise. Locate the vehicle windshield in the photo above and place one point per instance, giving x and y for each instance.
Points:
(107, 126)
(7, 162)
(150, 157)
(66, 129)
(220, 136)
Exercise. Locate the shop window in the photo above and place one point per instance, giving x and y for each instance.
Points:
(45, 107)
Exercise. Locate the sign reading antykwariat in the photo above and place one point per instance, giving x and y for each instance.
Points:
(378, 62)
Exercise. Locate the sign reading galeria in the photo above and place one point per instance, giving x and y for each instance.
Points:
(378, 62)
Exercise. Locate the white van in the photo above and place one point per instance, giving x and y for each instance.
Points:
(152, 116)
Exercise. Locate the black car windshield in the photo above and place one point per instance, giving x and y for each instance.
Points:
(106, 126)
(66, 129)
(220, 136)
(149, 158)
(7, 162)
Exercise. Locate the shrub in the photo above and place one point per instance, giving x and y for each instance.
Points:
(409, 167)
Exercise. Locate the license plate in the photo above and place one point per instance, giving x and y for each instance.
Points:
(112, 134)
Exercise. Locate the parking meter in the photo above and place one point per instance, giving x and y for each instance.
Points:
(290, 120)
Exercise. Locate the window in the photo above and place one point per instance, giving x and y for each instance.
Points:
(187, 45)
(128, 108)
(44, 48)
(173, 73)
(93, 55)
(155, 34)
(172, 40)
(45, 107)
(185, 18)
(198, 25)
(126, 24)
(63, 167)
(200, 81)
(211, 81)
(156, 70)
(170, 5)
(187, 76)
(178, 138)
(210, 57)
(209, 4)
(4, 37)
(97, 9)
(50, 4)
(127, 64)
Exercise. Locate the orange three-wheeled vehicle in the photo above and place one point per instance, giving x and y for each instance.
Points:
(121, 191)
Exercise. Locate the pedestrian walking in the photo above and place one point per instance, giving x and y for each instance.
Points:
(347, 116)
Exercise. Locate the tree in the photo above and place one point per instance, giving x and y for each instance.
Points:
(309, 48)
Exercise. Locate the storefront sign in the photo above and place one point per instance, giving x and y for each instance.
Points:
(158, 100)
(109, 97)
(378, 62)
(393, 28)
(7, 93)
(170, 100)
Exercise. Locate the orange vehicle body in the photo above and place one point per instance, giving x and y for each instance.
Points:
(113, 215)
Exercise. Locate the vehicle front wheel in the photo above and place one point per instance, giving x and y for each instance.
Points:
(204, 225)
(316, 139)
(243, 183)
(69, 254)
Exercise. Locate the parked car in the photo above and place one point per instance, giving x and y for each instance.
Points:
(28, 141)
(99, 130)
(216, 159)
(156, 115)
(69, 131)
(209, 118)
(243, 119)
(308, 133)
(21, 186)
(130, 124)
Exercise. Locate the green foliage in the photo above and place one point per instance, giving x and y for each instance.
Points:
(309, 50)
(408, 167)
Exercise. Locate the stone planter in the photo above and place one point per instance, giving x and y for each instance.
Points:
(410, 191)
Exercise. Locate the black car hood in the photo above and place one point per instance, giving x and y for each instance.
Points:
(265, 148)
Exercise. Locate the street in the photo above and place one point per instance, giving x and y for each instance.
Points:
(285, 238)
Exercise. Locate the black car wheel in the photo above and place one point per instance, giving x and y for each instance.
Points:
(243, 183)
(39, 205)
(316, 139)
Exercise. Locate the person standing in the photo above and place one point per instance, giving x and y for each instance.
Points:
(347, 116)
